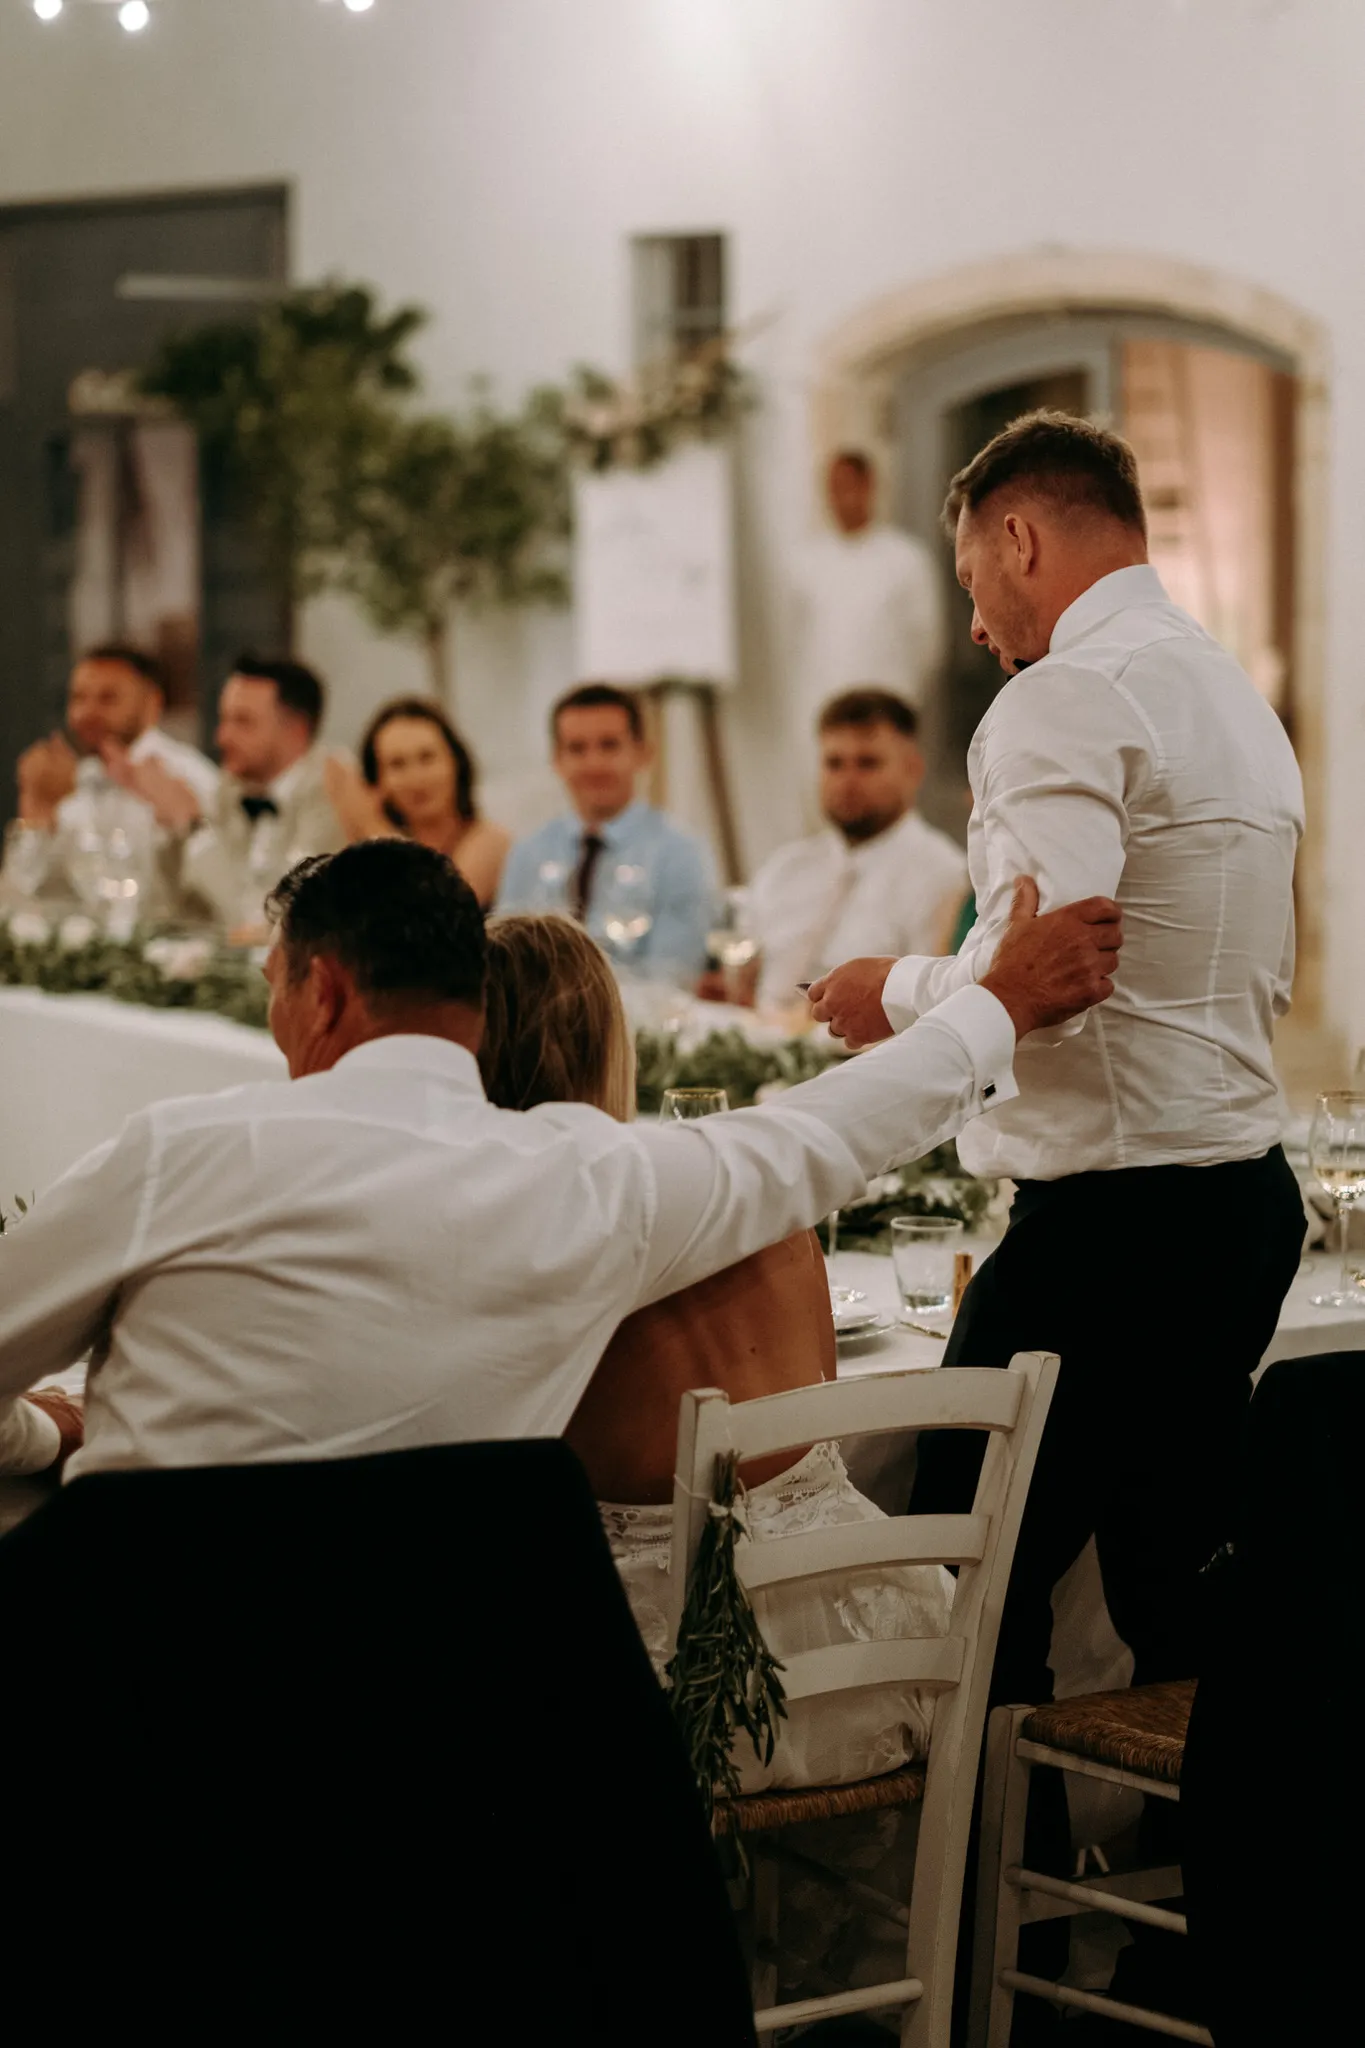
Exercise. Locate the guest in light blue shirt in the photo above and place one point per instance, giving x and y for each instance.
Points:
(640, 884)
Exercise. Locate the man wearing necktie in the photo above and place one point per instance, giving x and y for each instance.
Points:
(271, 808)
(622, 869)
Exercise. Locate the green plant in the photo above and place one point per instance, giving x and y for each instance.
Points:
(446, 512)
(286, 405)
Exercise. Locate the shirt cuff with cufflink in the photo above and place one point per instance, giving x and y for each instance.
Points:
(983, 1026)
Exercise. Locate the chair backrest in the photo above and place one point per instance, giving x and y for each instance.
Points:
(1012, 1406)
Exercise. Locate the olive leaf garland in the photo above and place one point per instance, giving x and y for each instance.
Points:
(722, 1678)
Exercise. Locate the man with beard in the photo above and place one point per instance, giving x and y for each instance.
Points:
(877, 879)
(80, 781)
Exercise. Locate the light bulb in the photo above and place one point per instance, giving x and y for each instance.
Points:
(47, 10)
(134, 15)
(360, 6)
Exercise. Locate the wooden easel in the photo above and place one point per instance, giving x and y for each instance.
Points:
(706, 710)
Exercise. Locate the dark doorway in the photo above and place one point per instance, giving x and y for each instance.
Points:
(63, 316)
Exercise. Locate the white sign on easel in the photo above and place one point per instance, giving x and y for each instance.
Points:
(654, 571)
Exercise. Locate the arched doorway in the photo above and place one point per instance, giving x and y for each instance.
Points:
(923, 376)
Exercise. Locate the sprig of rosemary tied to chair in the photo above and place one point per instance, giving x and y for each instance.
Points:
(722, 1677)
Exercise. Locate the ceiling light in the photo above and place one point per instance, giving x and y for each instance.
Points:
(360, 6)
(134, 15)
(47, 10)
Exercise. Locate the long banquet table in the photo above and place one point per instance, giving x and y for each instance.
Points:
(73, 1068)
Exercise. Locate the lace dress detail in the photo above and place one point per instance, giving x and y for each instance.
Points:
(860, 1734)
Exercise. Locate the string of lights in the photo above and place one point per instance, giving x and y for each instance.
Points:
(135, 15)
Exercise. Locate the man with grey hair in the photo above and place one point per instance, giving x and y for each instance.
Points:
(1156, 1226)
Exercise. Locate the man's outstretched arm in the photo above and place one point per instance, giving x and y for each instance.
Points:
(729, 1185)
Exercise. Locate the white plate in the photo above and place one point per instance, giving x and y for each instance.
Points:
(859, 1332)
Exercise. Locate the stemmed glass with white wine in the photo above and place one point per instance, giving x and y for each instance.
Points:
(1336, 1154)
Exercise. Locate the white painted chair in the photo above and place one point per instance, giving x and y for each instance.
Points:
(1012, 1406)
(1134, 1738)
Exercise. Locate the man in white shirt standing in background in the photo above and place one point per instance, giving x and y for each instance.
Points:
(877, 879)
(1157, 1226)
(865, 599)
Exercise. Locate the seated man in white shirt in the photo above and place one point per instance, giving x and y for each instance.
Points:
(877, 879)
(82, 779)
(271, 808)
(371, 1257)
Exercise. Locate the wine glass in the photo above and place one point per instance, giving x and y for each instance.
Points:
(625, 906)
(681, 1105)
(550, 889)
(731, 944)
(28, 851)
(1336, 1154)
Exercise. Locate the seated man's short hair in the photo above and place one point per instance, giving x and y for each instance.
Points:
(126, 656)
(869, 706)
(399, 917)
(299, 688)
(597, 697)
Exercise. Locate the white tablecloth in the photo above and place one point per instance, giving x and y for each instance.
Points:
(73, 1068)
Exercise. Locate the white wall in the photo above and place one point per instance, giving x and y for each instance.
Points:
(490, 157)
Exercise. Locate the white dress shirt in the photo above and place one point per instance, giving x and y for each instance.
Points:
(867, 608)
(376, 1258)
(822, 900)
(1135, 760)
(77, 812)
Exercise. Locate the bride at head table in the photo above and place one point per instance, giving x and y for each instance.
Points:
(556, 1032)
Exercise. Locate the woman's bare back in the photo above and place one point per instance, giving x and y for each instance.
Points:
(758, 1327)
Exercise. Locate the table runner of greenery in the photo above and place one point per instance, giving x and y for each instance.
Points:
(176, 971)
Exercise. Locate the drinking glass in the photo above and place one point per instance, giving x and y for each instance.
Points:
(28, 850)
(624, 904)
(680, 1105)
(550, 890)
(1336, 1154)
(731, 944)
(922, 1252)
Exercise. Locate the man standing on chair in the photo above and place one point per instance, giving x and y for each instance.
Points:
(1156, 1225)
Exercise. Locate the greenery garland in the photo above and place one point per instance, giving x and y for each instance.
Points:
(722, 1678)
(635, 425)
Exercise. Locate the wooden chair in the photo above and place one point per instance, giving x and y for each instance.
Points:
(1012, 1406)
(1135, 1739)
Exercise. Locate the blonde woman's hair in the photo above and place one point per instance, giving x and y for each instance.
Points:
(554, 1028)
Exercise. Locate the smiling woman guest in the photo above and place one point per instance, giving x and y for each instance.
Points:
(416, 781)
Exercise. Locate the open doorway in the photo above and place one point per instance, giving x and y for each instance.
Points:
(1211, 420)
(106, 527)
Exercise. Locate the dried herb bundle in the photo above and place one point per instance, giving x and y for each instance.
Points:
(722, 1677)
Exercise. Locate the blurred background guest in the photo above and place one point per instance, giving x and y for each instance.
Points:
(865, 598)
(271, 807)
(416, 780)
(80, 782)
(555, 1030)
(877, 875)
(624, 870)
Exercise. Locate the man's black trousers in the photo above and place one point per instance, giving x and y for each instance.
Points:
(1159, 1288)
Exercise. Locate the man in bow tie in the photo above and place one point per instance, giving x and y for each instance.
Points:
(271, 808)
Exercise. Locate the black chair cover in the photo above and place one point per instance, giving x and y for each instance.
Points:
(370, 1745)
(1270, 1792)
